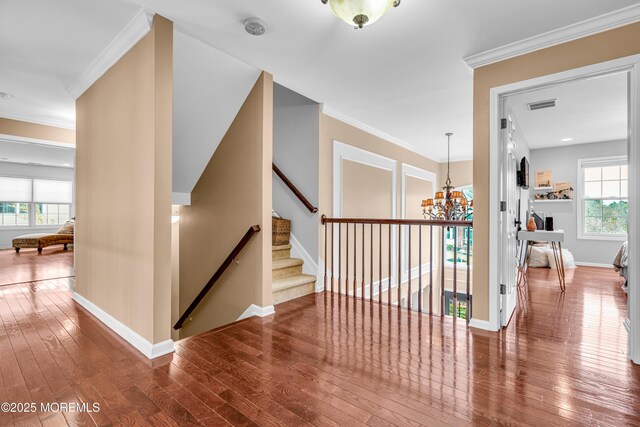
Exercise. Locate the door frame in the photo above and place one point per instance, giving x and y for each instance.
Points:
(630, 64)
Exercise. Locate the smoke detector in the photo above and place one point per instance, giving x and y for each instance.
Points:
(255, 27)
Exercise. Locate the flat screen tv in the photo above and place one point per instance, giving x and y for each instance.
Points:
(523, 174)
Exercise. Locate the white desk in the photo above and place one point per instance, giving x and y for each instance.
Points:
(528, 238)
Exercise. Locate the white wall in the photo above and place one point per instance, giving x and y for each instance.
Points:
(296, 122)
(30, 171)
(563, 162)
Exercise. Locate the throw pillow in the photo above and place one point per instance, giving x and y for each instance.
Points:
(67, 228)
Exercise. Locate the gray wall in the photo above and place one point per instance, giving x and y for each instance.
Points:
(296, 122)
(563, 162)
(30, 171)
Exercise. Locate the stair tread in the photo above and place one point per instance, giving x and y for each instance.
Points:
(292, 282)
(281, 247)
(285, 263)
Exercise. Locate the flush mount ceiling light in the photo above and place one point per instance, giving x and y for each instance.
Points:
(566, 139)
(361, 12)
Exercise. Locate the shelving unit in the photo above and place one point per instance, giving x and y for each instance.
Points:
(553, 200)
(543, 188)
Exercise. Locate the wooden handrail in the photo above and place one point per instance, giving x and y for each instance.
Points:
(234, 253)
(385, 221)
(295, 191)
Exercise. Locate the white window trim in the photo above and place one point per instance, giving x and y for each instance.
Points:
(580, 210)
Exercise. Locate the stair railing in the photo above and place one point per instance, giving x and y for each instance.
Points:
(294, 190)
(216, 276)
(371, 259)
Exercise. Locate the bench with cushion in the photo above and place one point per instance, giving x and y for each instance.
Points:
(64, 236)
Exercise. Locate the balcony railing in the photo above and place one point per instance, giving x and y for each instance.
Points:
(419, 265)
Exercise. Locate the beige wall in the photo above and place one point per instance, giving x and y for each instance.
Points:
(233, 193)
(613, 44)
(36, 131)
(123, 156)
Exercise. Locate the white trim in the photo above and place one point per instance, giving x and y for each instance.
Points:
(298, 251)
(593, 264)
(455, 159)
(39, 119)
(581, 235)
(342, 151)
(366, 128)
(182, 199)
(482, 324)
(24, 140)
(136, 29)
(598, 24)
(256, 310)
(630, 64)
(151, 351)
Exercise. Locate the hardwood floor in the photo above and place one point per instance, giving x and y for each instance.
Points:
(28, 265)
(324, 360)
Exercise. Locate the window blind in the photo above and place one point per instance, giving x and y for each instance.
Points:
(50, 191)
(15, 189)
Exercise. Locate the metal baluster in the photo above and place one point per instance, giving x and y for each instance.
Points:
(339, 258)
(325, 257)
(380, 265)
(389, 288)
(430, 269)
(442, 239)
(371, 267)
(409, 296)
(399, 265)
(468, 313)
(346, 263)
(355, 259)
(363, 258)
(455, 271)
(420, 268)
(333, 227)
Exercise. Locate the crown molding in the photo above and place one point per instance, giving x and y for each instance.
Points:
(366, 128)
(566, 34)
(456, 159)
(38, 119)
(131, 34)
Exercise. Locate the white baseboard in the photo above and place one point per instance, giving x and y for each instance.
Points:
(593, 264)
(481, 324)
(256, 310)
(132, 337)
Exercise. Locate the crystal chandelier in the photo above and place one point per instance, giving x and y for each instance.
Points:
(447, 205)
(361, 12)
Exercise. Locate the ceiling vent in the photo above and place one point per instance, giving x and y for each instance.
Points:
(541, 105)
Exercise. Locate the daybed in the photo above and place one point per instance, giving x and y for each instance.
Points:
(64, 236)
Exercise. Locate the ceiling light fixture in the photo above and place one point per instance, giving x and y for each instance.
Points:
(361, 12)
(566, 139)
(255, 27)
(5, 95)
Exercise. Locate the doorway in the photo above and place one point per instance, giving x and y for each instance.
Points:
(591, 209)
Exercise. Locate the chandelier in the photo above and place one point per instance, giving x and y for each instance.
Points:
(360, 12)
(447, 205)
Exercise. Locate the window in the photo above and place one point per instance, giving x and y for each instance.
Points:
(603, 198)
(461, 244)
(28, 202)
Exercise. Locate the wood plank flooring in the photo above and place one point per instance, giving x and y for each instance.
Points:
(28, 265)
(324, 360)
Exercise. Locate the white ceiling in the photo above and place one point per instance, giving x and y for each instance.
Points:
(38, 154)
(404, 75)
(591, 110)
(206, 99)
(45, 46)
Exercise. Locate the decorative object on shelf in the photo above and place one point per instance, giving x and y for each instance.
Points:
(559, 191)
(361, 12)
(531, 224)
(448, 205)
(543, 179)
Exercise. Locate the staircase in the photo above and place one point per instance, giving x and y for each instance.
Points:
(288, 282)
